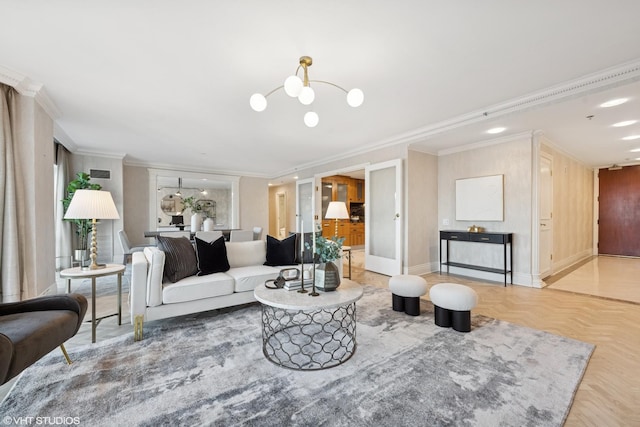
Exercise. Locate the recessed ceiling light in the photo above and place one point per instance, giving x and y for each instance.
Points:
(625, 123)
(614, 102)
(635, 150)
(631, 137)
(496, 130)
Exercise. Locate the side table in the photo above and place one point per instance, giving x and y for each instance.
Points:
(79, 273)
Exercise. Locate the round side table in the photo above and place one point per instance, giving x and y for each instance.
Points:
(108, 270)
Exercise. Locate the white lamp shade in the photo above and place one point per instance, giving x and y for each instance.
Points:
(258, 102)
(311, 119)
(355, 97)
(293, 86)
(307, 95)
(92, 204)
(337, 210)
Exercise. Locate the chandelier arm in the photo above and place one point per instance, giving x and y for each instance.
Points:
(274, 90)
(329, 83)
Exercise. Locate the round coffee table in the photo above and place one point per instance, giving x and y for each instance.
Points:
(309, 333)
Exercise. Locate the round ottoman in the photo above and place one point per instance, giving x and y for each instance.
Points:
(407, 290)
(453, 304)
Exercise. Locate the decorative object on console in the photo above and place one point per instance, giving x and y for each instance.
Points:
(93, 205)
(180, 258)
(301, 89)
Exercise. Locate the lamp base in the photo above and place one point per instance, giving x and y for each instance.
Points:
(94, 267)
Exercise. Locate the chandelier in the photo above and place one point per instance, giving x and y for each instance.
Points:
(299, 88)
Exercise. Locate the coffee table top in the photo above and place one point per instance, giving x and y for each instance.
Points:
(78, 272)
(348, 292)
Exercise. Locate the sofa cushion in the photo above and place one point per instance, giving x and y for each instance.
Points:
(197, 287)
(155, 258)
(242, 254)
(212, 256)
(180, 258)
(247, 278)
(281, 252)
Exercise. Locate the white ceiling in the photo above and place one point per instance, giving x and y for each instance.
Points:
(167, 83)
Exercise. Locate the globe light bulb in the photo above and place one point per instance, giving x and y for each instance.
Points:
(311, 119)
(355, 97)
(307, 95)
(293, 86)
(258, 102)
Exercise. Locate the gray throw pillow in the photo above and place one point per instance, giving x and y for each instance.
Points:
(180, 258)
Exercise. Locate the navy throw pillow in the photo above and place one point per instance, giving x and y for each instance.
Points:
(281, 252)
(212, 257)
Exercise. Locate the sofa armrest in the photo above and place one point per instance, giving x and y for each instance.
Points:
(138, 291)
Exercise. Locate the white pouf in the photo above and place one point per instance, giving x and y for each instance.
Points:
(453, 304)
(407, 290)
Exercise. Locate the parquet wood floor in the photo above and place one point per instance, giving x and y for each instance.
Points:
(609, 394)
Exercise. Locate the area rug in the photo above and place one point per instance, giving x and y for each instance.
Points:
(405, 371)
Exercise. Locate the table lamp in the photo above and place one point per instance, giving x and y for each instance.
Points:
(93, 205)
(337, 210)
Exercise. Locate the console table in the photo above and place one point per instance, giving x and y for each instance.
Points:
(503, 239)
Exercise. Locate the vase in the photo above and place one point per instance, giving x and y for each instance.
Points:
(207, 225)
(81, 255)
(327, 277)
(196, 222)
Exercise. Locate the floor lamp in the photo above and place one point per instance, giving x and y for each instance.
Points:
(93, 205)
(337, 210)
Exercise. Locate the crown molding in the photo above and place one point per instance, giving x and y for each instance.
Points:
(165, 166)
(488, 142)
(604, 79)
(117, 156)
(26, 87)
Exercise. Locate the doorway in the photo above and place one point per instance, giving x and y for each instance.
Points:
(618, 213)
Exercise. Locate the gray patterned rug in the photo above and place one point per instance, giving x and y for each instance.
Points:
(405, 371)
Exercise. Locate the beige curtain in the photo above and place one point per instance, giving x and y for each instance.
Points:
(10, 253)
(64, 233)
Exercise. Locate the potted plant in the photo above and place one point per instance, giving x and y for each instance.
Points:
(196, 212)
(82, 226)
(327, 251)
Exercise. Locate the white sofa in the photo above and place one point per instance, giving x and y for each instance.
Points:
(151, 299)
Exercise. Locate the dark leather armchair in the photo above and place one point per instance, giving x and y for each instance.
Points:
(32, 328)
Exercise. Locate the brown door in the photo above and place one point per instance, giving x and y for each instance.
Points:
(619, 216)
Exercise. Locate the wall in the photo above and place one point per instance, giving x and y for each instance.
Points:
(136, 204)
(513, 159)
(33, 147)
(421, 213)
(573, 203)
(254, 203)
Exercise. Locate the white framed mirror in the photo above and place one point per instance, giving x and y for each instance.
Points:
(218, 195)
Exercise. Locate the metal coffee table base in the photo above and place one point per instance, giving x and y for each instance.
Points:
(309, 340)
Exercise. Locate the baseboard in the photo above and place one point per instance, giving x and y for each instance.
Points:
(421, 269)
(571, 261)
